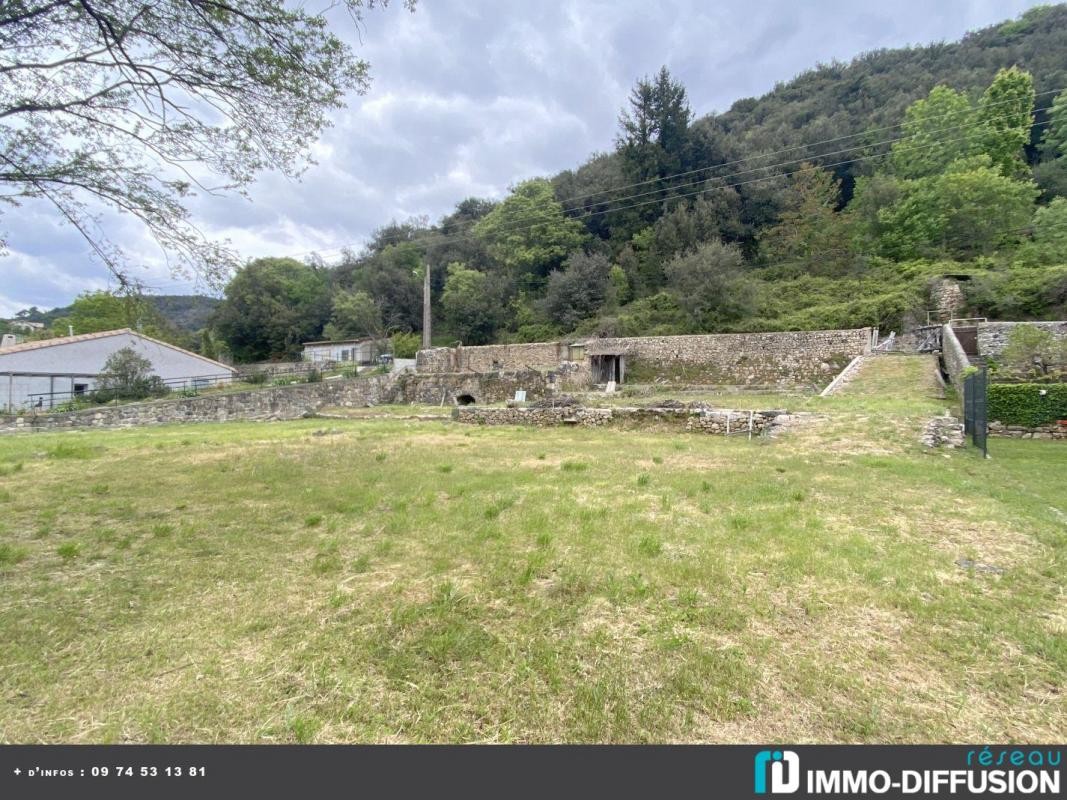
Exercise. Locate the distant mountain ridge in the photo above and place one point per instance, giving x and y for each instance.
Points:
(186, 313)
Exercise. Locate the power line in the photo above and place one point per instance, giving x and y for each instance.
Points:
(530, 221)
(535, 221)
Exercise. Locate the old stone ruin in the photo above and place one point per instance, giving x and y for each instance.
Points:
(793, 359)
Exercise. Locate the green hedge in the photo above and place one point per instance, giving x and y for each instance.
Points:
(1023, 403)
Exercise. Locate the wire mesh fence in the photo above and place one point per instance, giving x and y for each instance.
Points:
(975, 408)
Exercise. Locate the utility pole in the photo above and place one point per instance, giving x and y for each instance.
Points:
(425, 305)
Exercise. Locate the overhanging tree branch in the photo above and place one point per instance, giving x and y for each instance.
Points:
(114, 103)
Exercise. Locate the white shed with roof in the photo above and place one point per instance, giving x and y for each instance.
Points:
(49, 372)
(360, 351)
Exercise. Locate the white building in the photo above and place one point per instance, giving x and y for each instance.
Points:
(359, 351)
(52, 371)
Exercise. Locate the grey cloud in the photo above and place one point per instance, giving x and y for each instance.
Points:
(471, 97)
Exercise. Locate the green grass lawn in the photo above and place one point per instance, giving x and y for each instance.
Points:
(392, 580)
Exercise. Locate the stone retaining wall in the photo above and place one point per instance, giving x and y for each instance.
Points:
(1050, 431)
(784, 358)
(492, 357)
(954, 359)
(291, 402)
(446, 388)
(993, 336)
(691, 419)
(276, 403)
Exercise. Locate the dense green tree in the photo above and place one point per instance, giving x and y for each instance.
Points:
(528, 232)
(1051, 173)
(937, 130)
(708, 284)
(653, 144)
(355, 314)
(1006, 114)
(972, 209)
(689, 224)
(810, 232)
(1054, 139)
(579, 290)
(271, 307)
(405, 345)
(871, 195)
(1048, 244)
(393, 277)
(620, 286)
(588, 192)
(104, 311)
(208, 347)
(471, 304)
(653, 134)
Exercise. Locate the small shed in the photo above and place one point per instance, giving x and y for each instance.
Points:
(361, 351)
(49, 372)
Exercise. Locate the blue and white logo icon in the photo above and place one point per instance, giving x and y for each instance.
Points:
(784, 768)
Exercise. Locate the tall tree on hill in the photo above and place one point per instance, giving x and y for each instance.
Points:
(970, 210)
(392, 277)
(810, 232)
(709, 286)
(355, 314)
(937, 130)
(579, 290)
(1006, 114)
(653, 142)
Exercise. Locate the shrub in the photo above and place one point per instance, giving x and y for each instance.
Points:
(406, 345)
(128, 376)
(1034, 351)
(314, 376)
(255, 378)
(1027, 404)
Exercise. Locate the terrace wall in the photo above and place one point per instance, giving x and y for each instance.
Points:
(954, 359)
(290, 402)
(784, 358)
(709, 421)
(491, 358)
(993, 336)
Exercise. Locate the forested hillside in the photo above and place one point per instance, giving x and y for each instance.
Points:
(831, 201)
(180, 319)
(184, 312)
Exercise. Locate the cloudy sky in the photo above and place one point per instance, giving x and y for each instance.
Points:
(471, 96)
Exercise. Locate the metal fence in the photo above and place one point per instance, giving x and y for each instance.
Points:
(975, 410)
(190, 384)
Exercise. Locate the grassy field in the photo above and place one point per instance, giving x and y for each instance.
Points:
(393, 580)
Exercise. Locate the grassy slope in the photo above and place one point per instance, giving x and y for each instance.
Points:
(398, 580)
